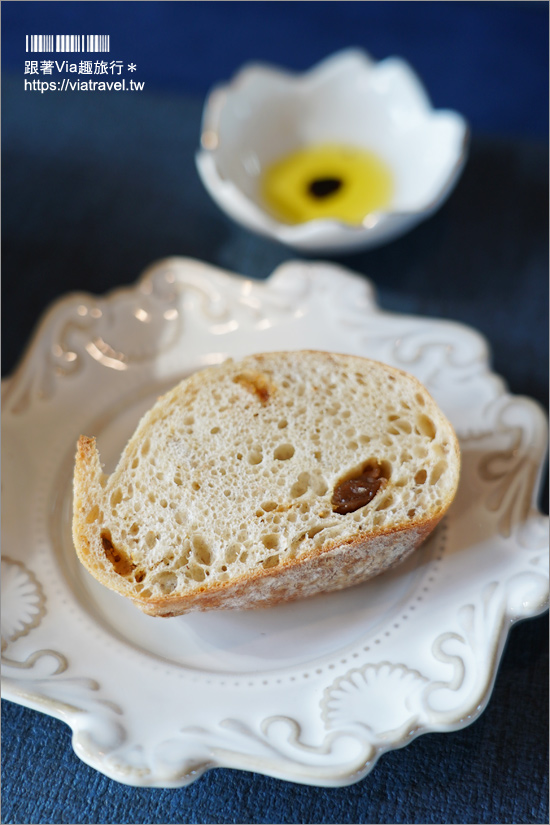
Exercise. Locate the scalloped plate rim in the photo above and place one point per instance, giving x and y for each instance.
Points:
(41, 702)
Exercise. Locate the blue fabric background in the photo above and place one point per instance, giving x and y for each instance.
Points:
(95, 187)
(487, 60)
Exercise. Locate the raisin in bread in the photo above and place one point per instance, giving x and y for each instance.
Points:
(275, 478)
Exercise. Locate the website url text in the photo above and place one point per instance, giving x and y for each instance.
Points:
(67, 85)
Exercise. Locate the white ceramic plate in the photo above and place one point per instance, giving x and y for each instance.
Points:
(313, 691)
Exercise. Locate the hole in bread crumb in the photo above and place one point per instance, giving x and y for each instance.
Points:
(196, 573)
(319, 486)
(317, 529)
(202, 550)
(411, 513)
(438, 471)
(145, 447)
(139, 575)
(215, 430)
(93, 515)
(426, 426)
(150, 539)
(243, 557)
(301, 486)
(270, 541)
(145, 594)
(166, 581)
(116, 497)
(272, 561)
(195, 486)
(183, 558)
(269, 505)
(255, 457)
(421, 476)
(231, 553)
(386, 502)
(282, 424)
(284, 452)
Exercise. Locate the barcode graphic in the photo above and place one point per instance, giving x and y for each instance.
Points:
(67, 42)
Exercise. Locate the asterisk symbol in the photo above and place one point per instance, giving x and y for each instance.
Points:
(132, 67)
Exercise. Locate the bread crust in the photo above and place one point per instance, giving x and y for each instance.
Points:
(336, 565)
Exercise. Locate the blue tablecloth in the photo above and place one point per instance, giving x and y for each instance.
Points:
(95, 188)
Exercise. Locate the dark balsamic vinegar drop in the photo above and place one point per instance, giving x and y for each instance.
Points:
(327, 182)
(322, 187)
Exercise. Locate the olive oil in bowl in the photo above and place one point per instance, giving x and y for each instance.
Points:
(327, 181)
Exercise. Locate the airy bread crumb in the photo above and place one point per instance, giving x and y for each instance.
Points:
(275, 478)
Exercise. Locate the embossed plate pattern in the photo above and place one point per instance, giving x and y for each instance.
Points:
(312, 691)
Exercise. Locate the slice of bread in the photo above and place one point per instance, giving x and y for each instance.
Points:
(275, 478)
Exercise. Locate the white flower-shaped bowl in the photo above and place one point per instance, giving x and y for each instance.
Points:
(265, 113)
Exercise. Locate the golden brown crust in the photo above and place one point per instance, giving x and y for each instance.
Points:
(334, 568)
